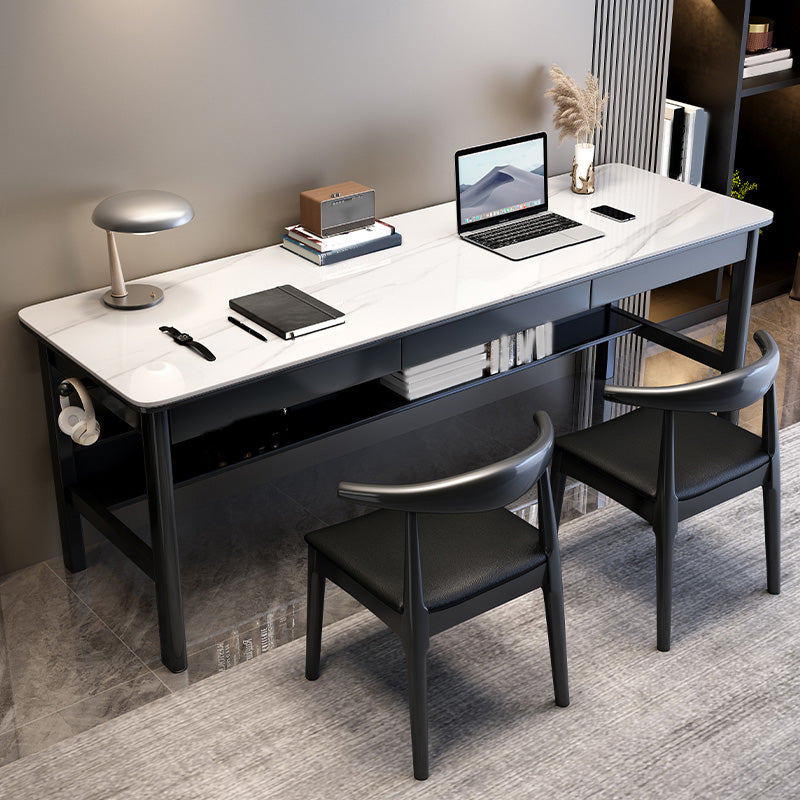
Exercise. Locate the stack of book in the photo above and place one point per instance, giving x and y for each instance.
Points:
(683, 141)
(330, 249)
(772, 60)
(439, 374)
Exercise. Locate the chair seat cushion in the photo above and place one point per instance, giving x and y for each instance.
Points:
(709, 451)
(462, 554)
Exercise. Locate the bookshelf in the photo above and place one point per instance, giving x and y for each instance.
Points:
(752, 128)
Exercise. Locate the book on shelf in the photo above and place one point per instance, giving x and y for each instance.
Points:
(437, 375)
(684, 134)
(321, 258)
(544, 340)
(766, 68)
(325, 244)
(677, 116)
(518, 349)
(773, 54)
(287, 311)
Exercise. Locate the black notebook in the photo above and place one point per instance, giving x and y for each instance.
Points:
(287, 311)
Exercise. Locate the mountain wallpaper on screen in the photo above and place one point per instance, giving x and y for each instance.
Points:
(499, 188)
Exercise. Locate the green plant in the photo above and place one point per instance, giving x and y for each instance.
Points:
(741, 188)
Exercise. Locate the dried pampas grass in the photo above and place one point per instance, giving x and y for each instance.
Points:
(578, 111)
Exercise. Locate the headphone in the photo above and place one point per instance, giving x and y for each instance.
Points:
(78, 423)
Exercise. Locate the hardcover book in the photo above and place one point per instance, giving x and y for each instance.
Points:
(287, 311)
(767, 67)
(773, 54)
(324, 244)
(343, 253)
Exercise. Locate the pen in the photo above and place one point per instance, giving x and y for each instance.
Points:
(240, 324)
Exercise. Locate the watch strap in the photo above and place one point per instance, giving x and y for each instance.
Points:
(201, 349)
(185, 340)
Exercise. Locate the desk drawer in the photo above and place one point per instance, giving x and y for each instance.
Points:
(668, 269)
(484, 326)
(283, 390)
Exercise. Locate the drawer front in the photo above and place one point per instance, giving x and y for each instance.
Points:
(668, 269)
(285, 389)
(484, 326)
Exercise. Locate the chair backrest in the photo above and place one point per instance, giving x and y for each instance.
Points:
(482, 489)
(730, 391)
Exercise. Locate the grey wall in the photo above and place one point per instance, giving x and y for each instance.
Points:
(238, 105)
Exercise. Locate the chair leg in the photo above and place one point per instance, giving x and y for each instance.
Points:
(665, 538)
(557, 640)
(315, 602)
(417, 666)
(772, 535)
(558, 482)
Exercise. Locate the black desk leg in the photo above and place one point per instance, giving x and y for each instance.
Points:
(738, 320)
(166, 567)
(63, 465)
(741, 298)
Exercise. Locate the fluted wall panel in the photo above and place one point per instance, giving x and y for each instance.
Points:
(630, 58)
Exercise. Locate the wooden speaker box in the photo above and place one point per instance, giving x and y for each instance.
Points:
(337, 209)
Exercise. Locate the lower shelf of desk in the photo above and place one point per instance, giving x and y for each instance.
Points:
(113, 469)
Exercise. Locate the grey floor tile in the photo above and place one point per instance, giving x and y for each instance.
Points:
(84, 714)
(57, 651)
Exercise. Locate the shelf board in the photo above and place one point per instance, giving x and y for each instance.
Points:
(116, 476)
(768, 83)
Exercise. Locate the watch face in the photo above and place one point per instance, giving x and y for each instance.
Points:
(183, 338)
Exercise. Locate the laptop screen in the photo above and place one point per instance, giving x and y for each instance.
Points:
(500, 181)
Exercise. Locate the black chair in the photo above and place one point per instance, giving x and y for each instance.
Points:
(672, 458)
(439, 553)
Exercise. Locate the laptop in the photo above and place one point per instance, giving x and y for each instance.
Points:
(501, 199)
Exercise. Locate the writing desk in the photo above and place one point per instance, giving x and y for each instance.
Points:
(433, 295)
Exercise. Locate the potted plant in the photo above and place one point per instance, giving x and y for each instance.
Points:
(578, 113)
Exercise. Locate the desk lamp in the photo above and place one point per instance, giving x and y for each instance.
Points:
(140, 211)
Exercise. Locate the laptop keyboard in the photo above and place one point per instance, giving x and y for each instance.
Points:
(521, 231)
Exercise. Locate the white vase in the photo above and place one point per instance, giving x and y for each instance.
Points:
(583, 168)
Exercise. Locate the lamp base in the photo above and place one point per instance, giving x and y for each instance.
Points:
(140, 295)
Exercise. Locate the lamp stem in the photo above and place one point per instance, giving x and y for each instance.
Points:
(117, 281)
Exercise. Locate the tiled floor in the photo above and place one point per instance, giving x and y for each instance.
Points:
(76, 650)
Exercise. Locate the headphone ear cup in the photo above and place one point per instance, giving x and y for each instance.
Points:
(77, 422)
(69, 418)
(86, 432)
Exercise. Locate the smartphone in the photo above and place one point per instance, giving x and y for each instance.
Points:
(613, 213)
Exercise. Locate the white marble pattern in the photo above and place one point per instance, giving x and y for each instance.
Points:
(433, 276)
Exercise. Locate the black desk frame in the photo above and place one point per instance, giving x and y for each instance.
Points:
(155, 433)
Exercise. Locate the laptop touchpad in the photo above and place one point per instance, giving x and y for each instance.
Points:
(583, 233)
(535, 247)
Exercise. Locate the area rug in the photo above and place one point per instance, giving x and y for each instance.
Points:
(716, 717)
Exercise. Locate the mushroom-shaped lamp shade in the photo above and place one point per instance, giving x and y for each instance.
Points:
(140, 211)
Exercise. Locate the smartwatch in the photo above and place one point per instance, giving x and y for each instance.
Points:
(186, 341)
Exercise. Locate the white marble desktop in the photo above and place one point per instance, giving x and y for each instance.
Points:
(433, 276)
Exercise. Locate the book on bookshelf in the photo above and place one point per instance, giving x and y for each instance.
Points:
(684, 150)
(773, 54)
(341, 253)
(676, 114)
(767, 67)
(287, 311)
(324, 244)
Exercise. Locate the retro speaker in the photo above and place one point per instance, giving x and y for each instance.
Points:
(337, 209)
